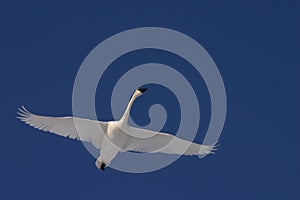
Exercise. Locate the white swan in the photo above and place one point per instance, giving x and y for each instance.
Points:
(116, 139)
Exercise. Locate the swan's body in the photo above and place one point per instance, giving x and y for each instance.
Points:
(115, 138)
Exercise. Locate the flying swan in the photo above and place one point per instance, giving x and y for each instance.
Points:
(116, 138)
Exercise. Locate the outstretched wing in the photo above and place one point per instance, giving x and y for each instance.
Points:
(152, 142)
(88, 130)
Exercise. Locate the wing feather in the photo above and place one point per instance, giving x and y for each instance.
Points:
(89, 130)
(161, 142)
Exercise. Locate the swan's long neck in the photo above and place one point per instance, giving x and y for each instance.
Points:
(124, 120)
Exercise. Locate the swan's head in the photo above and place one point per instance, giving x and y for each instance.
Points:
(138, 92)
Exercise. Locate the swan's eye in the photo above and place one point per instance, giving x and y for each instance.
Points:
(142, 90)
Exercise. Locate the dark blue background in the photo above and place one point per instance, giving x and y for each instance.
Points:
(254, 44)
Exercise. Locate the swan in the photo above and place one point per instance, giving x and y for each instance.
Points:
(116, 138)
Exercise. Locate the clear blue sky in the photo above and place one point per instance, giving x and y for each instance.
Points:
(256, 47)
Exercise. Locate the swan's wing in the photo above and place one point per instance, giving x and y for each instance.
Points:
(89, 130)
(160, 142)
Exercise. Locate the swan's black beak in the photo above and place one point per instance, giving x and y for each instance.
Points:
(142, 90)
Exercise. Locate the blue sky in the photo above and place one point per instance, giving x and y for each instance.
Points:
(255, 46)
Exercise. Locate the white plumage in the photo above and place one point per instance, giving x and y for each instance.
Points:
(115, 139)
